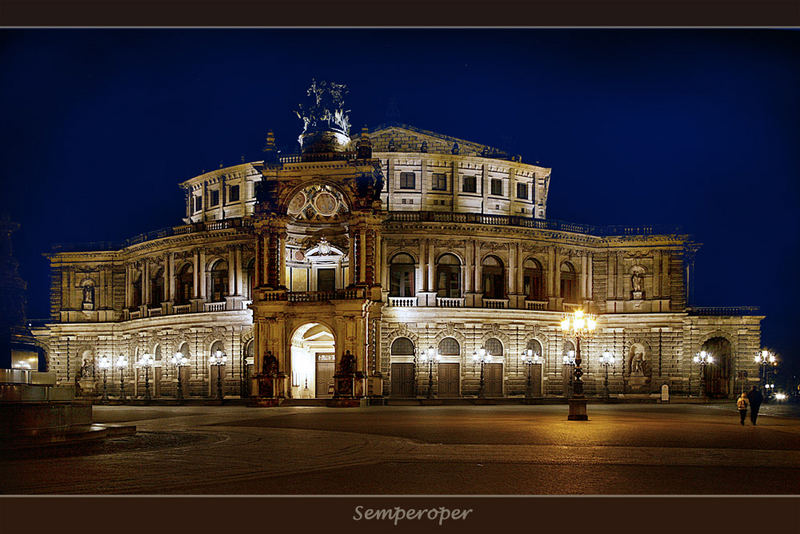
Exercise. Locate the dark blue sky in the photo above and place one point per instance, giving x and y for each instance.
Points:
(693, 127)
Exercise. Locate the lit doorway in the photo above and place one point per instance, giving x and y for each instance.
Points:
(313, 362)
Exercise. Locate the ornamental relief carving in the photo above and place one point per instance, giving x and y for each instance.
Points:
(494, 246)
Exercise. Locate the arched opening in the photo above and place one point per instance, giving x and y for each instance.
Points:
(157, 289)
(313, 362)
(185, 284)
(249, 360)
(217, 372)
(401, 275)
(493, 275)
(717, 375)
(136, 289)
(569, 283)
(535, 370)
(218, 277)
(185, 371)
(532, 280)
(449, 372)
(493, 372)
(402, 359)
(448, 276)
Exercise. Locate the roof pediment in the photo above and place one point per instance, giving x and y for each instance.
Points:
(404, 138)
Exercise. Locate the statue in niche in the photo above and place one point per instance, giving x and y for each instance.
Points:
(270, 367)
(88, 297)
(345, 376)
(639, 365)
(637, 282)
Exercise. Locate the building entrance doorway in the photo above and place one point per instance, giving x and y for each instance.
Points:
(313, 361)
(718, 374)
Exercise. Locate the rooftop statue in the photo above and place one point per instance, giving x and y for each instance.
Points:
(324, 108)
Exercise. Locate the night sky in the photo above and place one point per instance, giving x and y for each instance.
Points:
(699, 128)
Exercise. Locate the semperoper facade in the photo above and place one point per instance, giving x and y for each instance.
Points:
(354, 256)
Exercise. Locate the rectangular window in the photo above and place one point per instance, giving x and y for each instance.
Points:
(233, 193)
(497, 187)
(470, 184)
(407, 180)
(213, 198)
(522, 191)
(198, 203)
(439, 182)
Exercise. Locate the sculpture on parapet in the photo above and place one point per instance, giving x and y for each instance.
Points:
(324, 108)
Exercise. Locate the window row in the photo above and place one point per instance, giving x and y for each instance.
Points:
(213, 198)
(450, 346)
(469, 184)
(448, 281)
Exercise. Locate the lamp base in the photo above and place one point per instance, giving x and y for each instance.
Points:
(577, 410)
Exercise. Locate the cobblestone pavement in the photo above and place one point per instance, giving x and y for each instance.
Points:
(640, 449)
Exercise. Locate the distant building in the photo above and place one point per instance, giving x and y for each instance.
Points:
(377, 248)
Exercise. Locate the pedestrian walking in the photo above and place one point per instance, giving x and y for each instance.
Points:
(755, 398)
(741, 405)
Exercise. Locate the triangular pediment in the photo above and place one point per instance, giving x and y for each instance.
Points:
(405, 138)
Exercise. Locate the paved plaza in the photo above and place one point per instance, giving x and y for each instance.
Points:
(511, 449)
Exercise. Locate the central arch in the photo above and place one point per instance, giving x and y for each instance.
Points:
(313, 361)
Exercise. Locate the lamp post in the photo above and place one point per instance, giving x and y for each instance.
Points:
(529, 358)
(568, 360)
(765, 359)
(429, 356)
(607, 359)
(105, 364)
(703, 358)
(483, 357)
(146, 362)
(579, 325)
(122, 364)
(178, 360)
(219, 358)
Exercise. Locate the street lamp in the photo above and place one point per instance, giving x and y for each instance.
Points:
(219, 358)
(122, 364)
(178, 360)
(703, 358)
(529, 358)
(607, 359)
(765, 359)
(105, 364)
(483, 357)
(579, 325)
(429, 356)
(146, 362)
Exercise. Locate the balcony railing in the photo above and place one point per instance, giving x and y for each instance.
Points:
(214, 306)
(316, 296)
(723, 310)
(495, 304)
(135, 314)
(403, 302)
(181, 308)
(449, 302)
(539, 305)
(153, 312)
(530, 222)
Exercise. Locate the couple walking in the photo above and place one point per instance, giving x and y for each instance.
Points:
(752, 398)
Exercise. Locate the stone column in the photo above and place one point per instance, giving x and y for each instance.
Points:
(469, 267)
(620, 277)
(146, 284)
(351, 257)
(239, 271)
(362, 255)
(202, 274)
(589, 276)
(171, 269)
(513, 260)
(231, 271)
(127, 286)
(281, 237)
(456, 186)
(430, 260)
(420, 283)
(196, 275)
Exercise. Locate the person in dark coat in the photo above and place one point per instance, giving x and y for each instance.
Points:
(755, 398)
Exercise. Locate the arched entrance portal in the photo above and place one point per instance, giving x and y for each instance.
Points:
(718, 374)
(313, 362)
